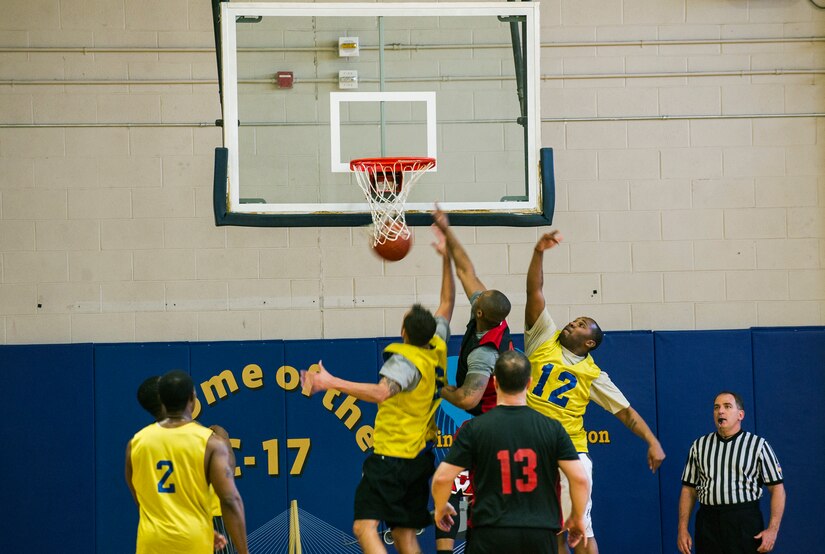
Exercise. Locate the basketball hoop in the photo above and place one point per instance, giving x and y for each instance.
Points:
(386, 183)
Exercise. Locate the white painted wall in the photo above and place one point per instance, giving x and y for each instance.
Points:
(106, 233)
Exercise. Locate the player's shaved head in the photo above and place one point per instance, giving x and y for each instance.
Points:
(596, 332)
(494, 306)
(176, 389)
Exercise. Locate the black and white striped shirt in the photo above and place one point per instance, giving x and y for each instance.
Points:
(732, 470)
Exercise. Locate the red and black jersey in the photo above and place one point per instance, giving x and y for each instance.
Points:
(498, 338)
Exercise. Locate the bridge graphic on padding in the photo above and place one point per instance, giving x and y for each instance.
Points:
(297, 531)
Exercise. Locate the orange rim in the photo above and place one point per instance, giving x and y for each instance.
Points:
(391, 164)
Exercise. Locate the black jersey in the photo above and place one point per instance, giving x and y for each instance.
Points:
(512, 453)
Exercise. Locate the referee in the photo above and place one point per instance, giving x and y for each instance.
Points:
(725, 470)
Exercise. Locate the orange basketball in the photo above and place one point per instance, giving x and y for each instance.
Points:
(394, 250)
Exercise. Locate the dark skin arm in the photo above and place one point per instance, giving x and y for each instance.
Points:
(221, 473)
(224, 434)
(220, 432)
(469, 394)
(463, 266)
(636, 423)
(535, 277)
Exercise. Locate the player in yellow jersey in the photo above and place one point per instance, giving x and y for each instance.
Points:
(566, 379)
(169, 467)
(149, 399)
(394, 487)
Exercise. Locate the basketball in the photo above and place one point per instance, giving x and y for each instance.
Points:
(394, 250)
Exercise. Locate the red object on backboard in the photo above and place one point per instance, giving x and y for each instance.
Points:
(284, 79)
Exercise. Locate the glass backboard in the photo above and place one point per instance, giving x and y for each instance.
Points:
(307, 87)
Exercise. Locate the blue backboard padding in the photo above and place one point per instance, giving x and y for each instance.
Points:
(48, 469)
(621, 477)
(254, 414)
(789, 379)
(326, 486)
(119, 370)
(692, 366)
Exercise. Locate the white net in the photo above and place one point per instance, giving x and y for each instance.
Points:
(386, 184)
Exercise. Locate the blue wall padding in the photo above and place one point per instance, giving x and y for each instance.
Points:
(119, 369)
(691, 367)
(48, 469)
(789, 379)
(70, 410)
(326, 486)
(620, 466)
(255, 413)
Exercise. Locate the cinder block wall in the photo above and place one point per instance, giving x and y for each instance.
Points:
(713, 219)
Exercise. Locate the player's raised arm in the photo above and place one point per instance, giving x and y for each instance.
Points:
(463, 266)
(222, 477)
(535, 277)
(447, 303)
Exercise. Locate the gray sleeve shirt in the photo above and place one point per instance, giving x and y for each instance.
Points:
(402, 371)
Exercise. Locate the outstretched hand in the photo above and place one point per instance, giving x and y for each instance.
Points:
(313, 381)
(549, 240)
(440, 219)
(440, 242)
